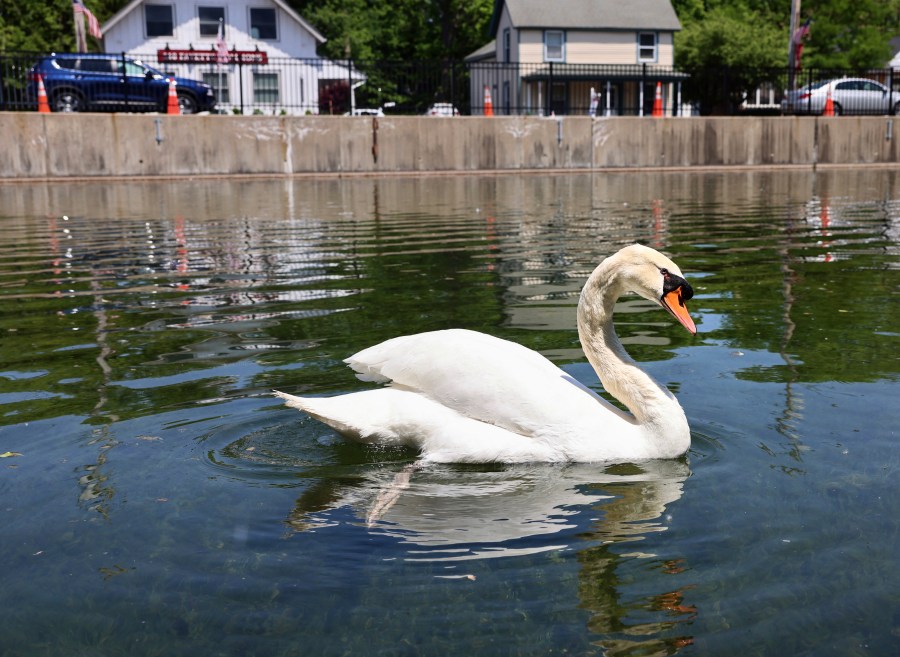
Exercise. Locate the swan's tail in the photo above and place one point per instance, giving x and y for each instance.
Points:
(325, 410)
(372, 416)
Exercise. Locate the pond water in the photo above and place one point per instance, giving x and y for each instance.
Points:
(157, 500)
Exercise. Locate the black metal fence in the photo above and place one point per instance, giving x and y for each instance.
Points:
(274, 86)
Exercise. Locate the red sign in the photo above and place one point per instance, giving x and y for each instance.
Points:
(168, 56)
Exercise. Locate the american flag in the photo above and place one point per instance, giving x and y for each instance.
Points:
(221, 47)
(801, 32)
(797, 40)
(93, 23)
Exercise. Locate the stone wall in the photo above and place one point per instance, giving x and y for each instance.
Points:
(41, 146)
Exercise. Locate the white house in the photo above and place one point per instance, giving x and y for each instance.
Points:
(569, 56)
(271, 66)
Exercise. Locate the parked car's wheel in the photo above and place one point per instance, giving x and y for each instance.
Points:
(896, 111)
(67, 100)
(838, 110)
(187, 103)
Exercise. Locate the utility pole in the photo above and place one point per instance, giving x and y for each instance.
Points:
(792, 47)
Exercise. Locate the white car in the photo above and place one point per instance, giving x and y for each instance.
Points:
(366, 111)
(849, 96)
(442, 109)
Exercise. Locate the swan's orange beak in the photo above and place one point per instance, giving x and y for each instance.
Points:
(674, 303)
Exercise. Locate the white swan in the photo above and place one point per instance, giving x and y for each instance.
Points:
(463, 396)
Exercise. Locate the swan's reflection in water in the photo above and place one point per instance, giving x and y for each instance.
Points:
(439, 507)
(454, 513)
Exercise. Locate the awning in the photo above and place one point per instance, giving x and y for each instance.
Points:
(604, 72)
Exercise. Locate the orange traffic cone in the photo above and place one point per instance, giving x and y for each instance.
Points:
(43, 105)
(657, 102)
(172, 107)
(829, 104)
(488, 103)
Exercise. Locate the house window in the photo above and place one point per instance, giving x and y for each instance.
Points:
(159, 20)
(506, 45)
(209, 20)
(265, 88)
(219, 84)
(554, 46)
(262, 23)
(647, 46)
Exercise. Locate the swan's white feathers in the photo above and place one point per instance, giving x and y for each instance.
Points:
(393, 416)
(512, 387)
(463, 396)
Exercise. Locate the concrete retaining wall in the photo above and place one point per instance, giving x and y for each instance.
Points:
(105, 145)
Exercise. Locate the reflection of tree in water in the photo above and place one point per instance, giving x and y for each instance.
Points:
(600, 588)
(460, 513)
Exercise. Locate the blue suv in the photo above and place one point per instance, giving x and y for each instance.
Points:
(80, 82)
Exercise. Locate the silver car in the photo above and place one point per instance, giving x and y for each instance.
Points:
(849, 95)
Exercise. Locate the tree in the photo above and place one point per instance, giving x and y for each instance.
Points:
(729, 51)
(401, 30)
(732, 33)
(732, 46)
(731, 36)
(380, 36)
(844, 34)
(458, 27)
(850, 33)
(44, 26)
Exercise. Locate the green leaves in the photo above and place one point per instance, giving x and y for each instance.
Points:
(755, 33)
(398, 31)
(731, 37)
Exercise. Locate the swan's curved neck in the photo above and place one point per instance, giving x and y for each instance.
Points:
(653, 406)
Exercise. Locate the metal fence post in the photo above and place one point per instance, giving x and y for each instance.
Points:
(891, 91)
(241, 83)
(452, 84)
(350, 98)
(124, 80)
(3, 99)
(643, 89)
(809, 86)
(550, 92)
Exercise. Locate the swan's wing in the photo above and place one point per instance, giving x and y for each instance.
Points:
(485, 378)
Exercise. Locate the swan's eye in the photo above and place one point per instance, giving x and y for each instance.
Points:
(672, 282)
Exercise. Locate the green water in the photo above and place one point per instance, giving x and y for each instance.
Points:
(158, 501)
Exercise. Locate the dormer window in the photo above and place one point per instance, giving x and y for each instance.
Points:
(210, 17)
(159, 20)
(263, 23)
(554, 46)
(647, 46)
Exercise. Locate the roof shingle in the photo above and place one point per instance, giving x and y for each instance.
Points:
(590, 14)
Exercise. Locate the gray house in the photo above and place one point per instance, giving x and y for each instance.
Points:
(577, 56)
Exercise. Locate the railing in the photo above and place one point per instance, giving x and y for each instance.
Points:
(319, 86)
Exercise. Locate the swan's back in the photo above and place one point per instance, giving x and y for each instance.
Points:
(515, 388)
